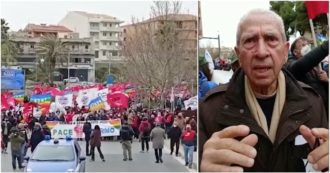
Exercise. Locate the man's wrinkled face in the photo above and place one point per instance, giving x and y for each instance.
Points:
(262, 50)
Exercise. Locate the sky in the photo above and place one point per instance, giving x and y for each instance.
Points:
(19, 13)
(222, 17)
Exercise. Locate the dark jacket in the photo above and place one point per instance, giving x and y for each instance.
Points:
(225, 106)
(303, 70)
(127, 130)
(174, 133)
(95, 138)
(87, 129)
(7, 125)
(36, 137)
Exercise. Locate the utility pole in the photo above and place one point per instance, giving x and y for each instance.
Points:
(219, 44)
(68, 65)
(214, 38)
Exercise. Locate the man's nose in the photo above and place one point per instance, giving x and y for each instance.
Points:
(261, 49)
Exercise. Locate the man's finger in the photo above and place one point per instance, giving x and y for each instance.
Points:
(320, 133)
(307, 134)
(233, 131)
(322, 163)
(318, 153)
(209, 167)
(251, 140)
(231, 144)
(233, 158)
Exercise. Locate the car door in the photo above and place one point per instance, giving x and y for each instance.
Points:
(80, 164)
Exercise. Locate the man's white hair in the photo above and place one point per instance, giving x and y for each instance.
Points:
(278, 19)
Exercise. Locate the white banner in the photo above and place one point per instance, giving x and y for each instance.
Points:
(65, 100)
(103, 94)
(192, 103)
(85, 96)
(75, 129)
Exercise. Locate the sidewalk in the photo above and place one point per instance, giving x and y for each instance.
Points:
(167, 150)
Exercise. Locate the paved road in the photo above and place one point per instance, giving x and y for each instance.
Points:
(142, 162)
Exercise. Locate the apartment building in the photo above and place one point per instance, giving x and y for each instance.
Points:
(81, 62)
(59, 31)
(103, 29)
(186, 25)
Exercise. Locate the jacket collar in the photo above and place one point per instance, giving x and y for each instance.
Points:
(234, 110)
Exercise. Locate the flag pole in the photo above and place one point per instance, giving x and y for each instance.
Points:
(314, 39)
(313, 32)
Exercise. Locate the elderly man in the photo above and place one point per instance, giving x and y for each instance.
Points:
(263, 120)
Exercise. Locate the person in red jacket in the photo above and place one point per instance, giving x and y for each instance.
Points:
(144, 129)
(188, 140)
(69, 116)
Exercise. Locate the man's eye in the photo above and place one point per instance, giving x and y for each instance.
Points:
(249, 43)
(272, 40)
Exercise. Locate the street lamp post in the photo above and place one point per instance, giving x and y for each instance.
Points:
(37, 63)
(68, 65)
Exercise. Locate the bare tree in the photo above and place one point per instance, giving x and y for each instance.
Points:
(156, 51)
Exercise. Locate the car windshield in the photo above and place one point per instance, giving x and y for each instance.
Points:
(53, 153)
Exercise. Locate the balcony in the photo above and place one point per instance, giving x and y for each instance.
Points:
(108, 38)
(113, 59)
(108, 47)
(110, 29)
(94, 28)
(81, 51)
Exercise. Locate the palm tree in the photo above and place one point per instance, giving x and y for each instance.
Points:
(8, 52)
(53, 51)
(8, 48)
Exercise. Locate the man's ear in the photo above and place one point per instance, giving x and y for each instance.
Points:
(287, 45)
(237, 54)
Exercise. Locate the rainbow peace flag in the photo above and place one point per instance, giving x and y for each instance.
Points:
(19, 97)
(96, 104)
(116, 123)
(51, 124)
(43, 100)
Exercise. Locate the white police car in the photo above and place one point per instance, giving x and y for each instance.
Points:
(52, 155)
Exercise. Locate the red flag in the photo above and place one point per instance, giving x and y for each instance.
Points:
(314, 8)
(7, 100)
(56, 92)
(118, 100)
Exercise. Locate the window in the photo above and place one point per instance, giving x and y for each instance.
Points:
(104, 43)
(53, 152)
(105, 24)
(124, 30)
(104, 53)
(104, 34)
(115, 53)
(179, 24)
(76, 60)
(72, 46)
(110, 34)
(32, 46)
(87, 60)
(124, 38)
(110, 25)
(96, 54)
(86, 46)
(110, 43)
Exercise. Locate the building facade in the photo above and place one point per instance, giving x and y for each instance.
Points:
(186, 27)
(104, 31)
(81, 56)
